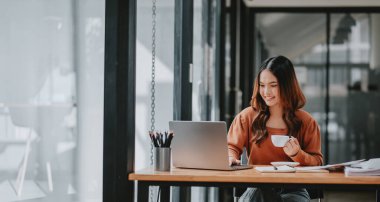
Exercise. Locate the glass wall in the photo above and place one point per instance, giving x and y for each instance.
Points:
(354, 87)
(164, 77)
(163, 74)
(51, 100)
(204, 72)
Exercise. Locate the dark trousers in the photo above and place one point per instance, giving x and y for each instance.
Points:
(271, 194)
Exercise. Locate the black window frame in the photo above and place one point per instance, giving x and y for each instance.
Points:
(119, 100)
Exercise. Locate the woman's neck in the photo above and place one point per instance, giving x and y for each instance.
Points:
(276, 111)
(275, 120)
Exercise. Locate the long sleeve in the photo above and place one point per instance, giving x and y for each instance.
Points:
(237, 136)
(310, 153)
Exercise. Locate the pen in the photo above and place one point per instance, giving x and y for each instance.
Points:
(156, 139)
(171, 134)
(161, 140)
(153, 139)
(166, 139)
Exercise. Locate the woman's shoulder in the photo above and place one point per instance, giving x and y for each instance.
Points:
(304, 116)
(247, 114)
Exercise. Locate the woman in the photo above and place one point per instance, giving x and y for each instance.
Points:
(275, 109)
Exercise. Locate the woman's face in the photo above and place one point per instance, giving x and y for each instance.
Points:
(269, 89)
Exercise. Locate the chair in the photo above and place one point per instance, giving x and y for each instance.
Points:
(314, 193)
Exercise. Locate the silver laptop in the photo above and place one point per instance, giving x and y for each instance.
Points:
(201, 145)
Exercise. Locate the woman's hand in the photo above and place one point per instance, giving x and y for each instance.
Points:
(233, 161)
(292, 147)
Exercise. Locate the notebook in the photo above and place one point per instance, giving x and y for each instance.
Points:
(201, 145)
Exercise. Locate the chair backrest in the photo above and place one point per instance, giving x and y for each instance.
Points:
(314, 193)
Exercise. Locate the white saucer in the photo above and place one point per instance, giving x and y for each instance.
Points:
(285, 163)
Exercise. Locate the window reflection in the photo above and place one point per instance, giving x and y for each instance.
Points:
(353, 88)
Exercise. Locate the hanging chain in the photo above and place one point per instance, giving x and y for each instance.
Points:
(153, 85)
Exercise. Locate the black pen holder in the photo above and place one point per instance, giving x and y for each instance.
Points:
(162, 158)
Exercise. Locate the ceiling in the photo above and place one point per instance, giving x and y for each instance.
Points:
(292, 34)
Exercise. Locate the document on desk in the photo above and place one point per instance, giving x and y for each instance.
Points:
(340, 166)
(288, 169)
(308, 169)
(277, 169)
(312, 169)
(326, 168)
(366, 168)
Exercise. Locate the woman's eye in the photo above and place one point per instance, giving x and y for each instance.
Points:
(273, 86)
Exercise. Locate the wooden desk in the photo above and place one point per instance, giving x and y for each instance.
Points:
(245, 178)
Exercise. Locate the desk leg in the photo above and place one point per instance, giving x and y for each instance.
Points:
(165, 193)
(185, 194)
(142, 192)
(377, 195)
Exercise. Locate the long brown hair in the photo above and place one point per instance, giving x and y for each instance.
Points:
(291, 97)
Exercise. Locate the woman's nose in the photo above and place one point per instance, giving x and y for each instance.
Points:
(266, 91)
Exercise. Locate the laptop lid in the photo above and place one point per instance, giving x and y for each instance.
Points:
(200, 144)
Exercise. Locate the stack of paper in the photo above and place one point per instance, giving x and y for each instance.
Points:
(361, 166)
(341, 166)
(326, 168)
(366, 168)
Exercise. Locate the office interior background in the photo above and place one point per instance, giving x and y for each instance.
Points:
(52, 103)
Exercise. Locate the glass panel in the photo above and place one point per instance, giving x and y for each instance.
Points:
(302, 38)
(163, 77)
(354, 95)
(163, 74)
(204, 97)
(51, 100)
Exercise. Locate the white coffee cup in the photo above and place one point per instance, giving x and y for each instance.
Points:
(279, 140)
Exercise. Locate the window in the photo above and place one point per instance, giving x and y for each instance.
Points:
(51, 100)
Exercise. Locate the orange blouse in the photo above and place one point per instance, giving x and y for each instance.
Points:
(309, 139)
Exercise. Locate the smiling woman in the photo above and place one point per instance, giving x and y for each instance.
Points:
(276, 89)
(275, 109)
